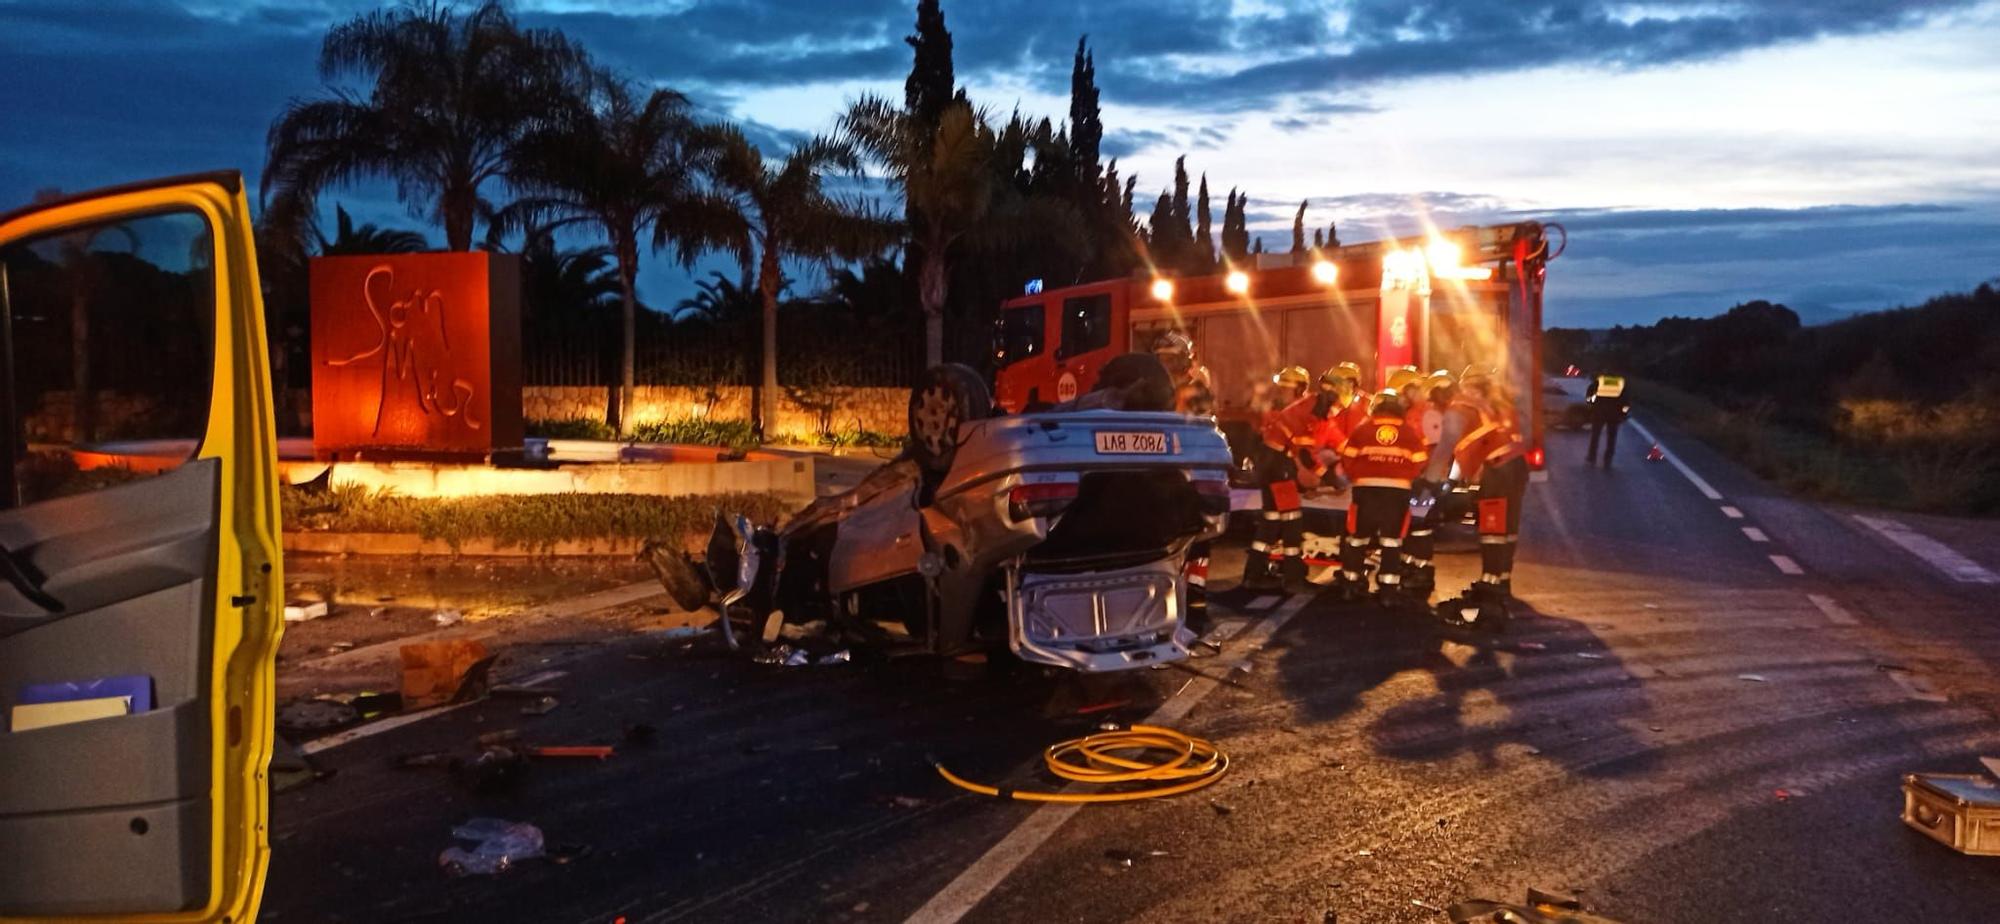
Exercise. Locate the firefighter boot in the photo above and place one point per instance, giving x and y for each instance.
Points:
(1482, 607)
(1351, 587)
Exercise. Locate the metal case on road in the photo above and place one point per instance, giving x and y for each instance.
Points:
(1958, 810)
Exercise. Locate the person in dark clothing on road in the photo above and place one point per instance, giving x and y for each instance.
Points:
(1610, 404)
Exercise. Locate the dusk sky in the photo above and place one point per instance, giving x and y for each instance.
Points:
(1837, 156)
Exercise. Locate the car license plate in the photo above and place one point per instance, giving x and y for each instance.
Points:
(1125, 442)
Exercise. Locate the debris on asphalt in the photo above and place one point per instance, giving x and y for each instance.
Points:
(1886, 667)
(1532, 646)
(418, 760)
(1427, 906)
(1753, 678)
(842, 656)
(500, 736)
(798, 658)
(681, 633)
(1103, 706)
(1130, 858)
(1555, 898)
(1364, 853)
(906, 802)
(497, 845)
(311, 717)
(304, 612)
(1222, 808)
(338, 647)
(443, 618)
(1784, 795)
(435, 673)
(1590, 656)
(496, 769)
(373, 703)
(1958, 810)
(542, 706)
(598, 751)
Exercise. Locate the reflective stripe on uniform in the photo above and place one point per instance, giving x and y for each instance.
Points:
(1493, 540)
(1291, 515)
(1259, 545)
(1390, 542)
(1417, 562)
(1402, 483)
(1357, 541)
(1388, 579)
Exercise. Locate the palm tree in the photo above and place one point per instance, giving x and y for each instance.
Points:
(717, 300)
(783, 210)
(451, 94)
(350, 239)
(624, 164)
(946, 173)
(558, 283)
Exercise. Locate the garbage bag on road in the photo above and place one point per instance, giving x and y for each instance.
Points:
(496, 845)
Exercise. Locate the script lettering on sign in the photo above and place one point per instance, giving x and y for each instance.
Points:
(412, 349)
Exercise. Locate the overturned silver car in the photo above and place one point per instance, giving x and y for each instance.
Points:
(1063, 534)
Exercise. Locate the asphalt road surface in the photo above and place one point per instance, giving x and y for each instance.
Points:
(1702, 715)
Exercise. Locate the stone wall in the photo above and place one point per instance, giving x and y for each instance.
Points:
(883, 410)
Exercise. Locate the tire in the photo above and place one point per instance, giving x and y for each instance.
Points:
(949, 396)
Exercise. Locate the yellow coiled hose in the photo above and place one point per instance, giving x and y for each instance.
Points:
(1175, 762)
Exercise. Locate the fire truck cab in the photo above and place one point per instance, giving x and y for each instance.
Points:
(1442, 301)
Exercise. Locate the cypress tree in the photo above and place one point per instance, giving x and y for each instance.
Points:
(1204, 241)
(1299, 229)
(930, 86)
(1086, 124)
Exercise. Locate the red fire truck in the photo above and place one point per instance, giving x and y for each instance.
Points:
(1441, 301)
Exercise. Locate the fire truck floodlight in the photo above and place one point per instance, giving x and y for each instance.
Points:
(1325, 273)
(1444, 257)
(1237, 282)
(1475, 273)
(1163, 290)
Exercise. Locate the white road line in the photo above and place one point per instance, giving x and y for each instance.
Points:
(1917, 688)
(990, 870)
(1834, 612)
(375, 728)
(1786, 564)
(1940, 556)
(1264, 602)
(1732, 513)
(1754, 534)
(1707, 490)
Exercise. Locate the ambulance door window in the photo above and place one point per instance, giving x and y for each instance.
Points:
(1086, 325)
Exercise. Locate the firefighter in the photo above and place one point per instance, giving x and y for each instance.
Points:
(1609, 406)
(1427, 416)
(1192, 395)
(1288, 426)
(1484, 445)
(1194, 390)
(1381, 457)
(1346, 406)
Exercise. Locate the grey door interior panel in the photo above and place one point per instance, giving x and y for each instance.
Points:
(111, 816)
(128, 868)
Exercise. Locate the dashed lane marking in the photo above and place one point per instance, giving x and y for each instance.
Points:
(1832, 610)
(1787, 565)
(1700, 484)
(1917, 688)
(1732, 513)
(1938, 555)
(1264, 602)
(375, 728)
(990, 870)
(1754, 534)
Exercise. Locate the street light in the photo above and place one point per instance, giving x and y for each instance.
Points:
(1237, 282)
(1325, 273)
(1163, 290)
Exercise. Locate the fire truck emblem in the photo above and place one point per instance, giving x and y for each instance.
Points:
(1399, 331)
(1385, 435)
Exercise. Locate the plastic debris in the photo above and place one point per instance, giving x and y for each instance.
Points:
(839, 657)
(497, 845)
(303, 612)
(776, 654)
(542, 706)
(682, 632)
(338, 647)
(447, 618)
(1222, 808)
(1656, 454)
(1590, 656)
(1753, 678)
(798, 658)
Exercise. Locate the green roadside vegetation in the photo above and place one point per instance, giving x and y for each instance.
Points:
(701, 431)
(1896, 409)
(536, 522)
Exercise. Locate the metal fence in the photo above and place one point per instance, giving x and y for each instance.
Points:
(812, 351)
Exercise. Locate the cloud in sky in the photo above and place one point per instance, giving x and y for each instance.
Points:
(1680, 140)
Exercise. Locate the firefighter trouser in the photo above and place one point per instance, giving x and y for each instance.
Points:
(1419, 570)
(1501, 489)
(1379, 517)
(1280, 538)
(1608, 427)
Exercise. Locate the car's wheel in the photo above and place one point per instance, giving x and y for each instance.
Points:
(949, 396)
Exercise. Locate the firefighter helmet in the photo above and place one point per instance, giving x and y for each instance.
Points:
(1477, 375)
(1349, 371)
(1292, 377)
(1389, 402)
(1174, 343)
(1403, 377)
